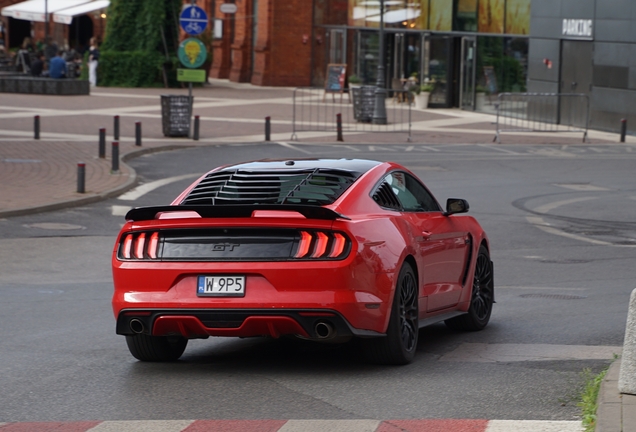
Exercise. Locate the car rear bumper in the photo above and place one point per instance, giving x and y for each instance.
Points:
(202, 323)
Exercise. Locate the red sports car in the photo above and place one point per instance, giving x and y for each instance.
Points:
(320, 249)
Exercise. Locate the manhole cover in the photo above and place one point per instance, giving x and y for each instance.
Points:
(553, 296)
(55, 226)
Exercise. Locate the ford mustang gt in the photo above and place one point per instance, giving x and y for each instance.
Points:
(320, 249)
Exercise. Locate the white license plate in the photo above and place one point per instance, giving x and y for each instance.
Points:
(221, 285)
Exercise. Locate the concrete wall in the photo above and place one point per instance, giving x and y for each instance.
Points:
(613, 94)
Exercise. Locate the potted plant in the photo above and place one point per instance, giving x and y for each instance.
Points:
(422, 94)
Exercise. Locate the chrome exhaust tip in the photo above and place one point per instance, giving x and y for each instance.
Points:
(324, 330)
(136, 326)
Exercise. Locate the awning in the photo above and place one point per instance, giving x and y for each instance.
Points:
(33, 10)
(396, 16)
(66, 16)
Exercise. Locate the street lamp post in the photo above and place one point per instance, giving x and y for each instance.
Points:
(379, 111)
(46, 19)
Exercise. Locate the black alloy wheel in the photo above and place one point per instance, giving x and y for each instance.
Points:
(482, 298)
(400, 343)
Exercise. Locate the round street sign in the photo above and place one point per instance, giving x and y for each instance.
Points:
(192, 53)
(228, 8)
(193, 20)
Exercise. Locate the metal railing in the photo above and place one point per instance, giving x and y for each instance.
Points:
(542, 112)
(316, 111)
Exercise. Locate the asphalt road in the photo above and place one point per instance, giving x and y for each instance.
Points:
(563, 233)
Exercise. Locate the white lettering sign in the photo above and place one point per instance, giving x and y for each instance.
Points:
(577, 27)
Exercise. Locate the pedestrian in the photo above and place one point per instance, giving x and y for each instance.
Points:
(37, 66)
(93, 61)
(50, 48)
(57, 66)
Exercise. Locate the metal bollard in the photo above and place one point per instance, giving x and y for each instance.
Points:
(138, 134)
(339, 127)
(116, 128)
(115, 157)
(36, 127)
(81, 177)
(195, 133)
(102, 143)
(623, 129)
(268, 128)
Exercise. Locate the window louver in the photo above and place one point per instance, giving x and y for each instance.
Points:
(309, 187)
(385, 197)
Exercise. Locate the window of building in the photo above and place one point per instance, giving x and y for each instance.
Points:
(465, 15)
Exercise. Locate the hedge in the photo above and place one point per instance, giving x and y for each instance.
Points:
(135, 69)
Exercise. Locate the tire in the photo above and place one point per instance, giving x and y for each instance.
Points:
(400, 343)
(482, 297)
(156, 348)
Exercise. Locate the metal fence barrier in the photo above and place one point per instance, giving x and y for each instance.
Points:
(542, 112)
(316, 111)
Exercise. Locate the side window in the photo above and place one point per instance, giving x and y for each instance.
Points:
(411, 194)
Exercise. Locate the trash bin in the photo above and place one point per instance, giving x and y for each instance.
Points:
(363, 103)
(176, 113)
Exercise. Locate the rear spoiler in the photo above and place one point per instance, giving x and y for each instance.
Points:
(232, 211)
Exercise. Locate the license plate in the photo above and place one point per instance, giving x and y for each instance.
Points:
(221, 286)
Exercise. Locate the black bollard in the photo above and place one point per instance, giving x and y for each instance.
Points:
(36, 127)
(102, 143)
(339, 127)
(81, 177)
(197, 124)
(115, 157)
(116, 128)
(268, 128)
(623, 129)
(138, 134)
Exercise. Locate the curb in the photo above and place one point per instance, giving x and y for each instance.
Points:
(609, 411)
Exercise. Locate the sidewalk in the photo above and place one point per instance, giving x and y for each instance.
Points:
(39, 175)
(616, 412)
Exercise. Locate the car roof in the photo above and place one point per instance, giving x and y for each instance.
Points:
(357, 166)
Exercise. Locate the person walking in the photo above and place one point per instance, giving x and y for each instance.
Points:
(93, 61)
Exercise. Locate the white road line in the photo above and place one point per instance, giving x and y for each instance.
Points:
(547, 207)
(534, 426)
(529, 288)
(544, 226)
(293, 147)
(117, 210)
(581, 187)
(490, 147)
(142, 426)
(491, 353)
(143, 189)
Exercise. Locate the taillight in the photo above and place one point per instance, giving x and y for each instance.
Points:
(322, 245)
(139, 246)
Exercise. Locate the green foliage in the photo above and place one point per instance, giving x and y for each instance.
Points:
(84, 71)
(134, 69)
(140, 36)
(589, 397)
(509, 71)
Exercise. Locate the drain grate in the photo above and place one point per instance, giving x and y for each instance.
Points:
(553, 296)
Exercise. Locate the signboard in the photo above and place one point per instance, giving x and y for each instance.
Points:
(192, 53)
(193, 20)
(228, 8)
(336, 78)
(191, 75)
(577, 28)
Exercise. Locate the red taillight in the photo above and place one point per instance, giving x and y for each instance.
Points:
(339, 243)
(127, 246)
(303, 246)
(139, 246)
(322, 245)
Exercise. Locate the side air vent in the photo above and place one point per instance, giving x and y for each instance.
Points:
(385, 197)
(308, 187)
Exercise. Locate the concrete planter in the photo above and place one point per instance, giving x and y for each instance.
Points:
(421, 100)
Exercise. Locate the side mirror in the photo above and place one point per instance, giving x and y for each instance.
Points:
(456, 205)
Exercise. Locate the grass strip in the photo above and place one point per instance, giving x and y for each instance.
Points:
(589, 397)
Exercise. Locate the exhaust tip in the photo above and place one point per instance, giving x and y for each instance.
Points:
(136, 326)
(324, 330)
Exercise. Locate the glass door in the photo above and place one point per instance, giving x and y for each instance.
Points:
(337, 46)
(437, 70)
(468, 73)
